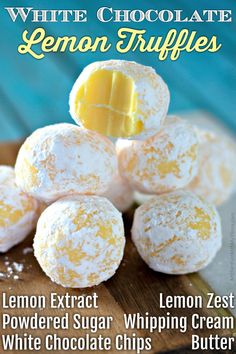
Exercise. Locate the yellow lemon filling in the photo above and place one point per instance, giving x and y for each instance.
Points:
(107, 102)
(8, 215)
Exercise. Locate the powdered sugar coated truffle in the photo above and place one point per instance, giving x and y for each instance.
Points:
(164, 162)
(120, 193)
(80, 241)
(18, 211)
(216, 177)
(177, 233)
(141, 198)
(63, 159)
(120, 98)
(7, 174)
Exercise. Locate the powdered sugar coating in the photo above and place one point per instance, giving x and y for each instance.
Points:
(177, 233)
(18, 211)
(7, 174)
(120, 193)
(216, 177)
(80, 241)
(152, 93)
(162, 163)
(63, 159)
(141, 198)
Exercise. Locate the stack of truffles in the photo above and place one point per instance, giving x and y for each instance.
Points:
(82, 181)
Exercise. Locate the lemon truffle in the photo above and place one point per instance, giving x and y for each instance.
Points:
(216, 177)
(18, 211)
(119, 98)
(177, 233)
(80, 241)
(7, 174)
(120, 193)
(141, 198)
(63, 159)
(164, 162)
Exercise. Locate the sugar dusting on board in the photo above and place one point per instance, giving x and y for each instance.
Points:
(14, 270)
(27, 250)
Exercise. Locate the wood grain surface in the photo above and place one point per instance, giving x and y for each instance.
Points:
(134, 288)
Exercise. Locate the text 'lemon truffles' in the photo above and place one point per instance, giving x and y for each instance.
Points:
(80, 241)
(164, 162)
(63, 159)
(119, 99)
(216, 177)
(177, 233)
(18, 211)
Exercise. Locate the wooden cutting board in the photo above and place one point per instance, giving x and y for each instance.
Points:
(134, 288)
